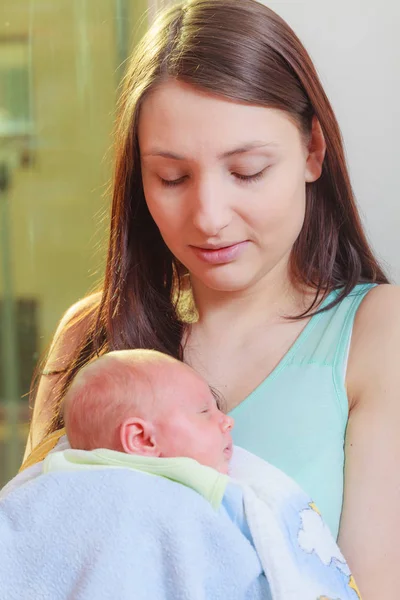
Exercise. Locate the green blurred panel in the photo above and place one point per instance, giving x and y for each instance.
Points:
(14, 92)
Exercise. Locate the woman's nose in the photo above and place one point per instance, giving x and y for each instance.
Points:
(211, 214)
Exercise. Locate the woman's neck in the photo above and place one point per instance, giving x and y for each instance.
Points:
(270, 300)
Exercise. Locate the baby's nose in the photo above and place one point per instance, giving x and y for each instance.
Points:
(228, 423)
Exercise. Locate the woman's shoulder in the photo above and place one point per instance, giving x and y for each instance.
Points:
(375, 346)
(379, 311)
(69, 334)
(80, 308)
(71, 328)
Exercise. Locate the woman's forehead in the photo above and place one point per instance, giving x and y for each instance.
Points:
(177, 119)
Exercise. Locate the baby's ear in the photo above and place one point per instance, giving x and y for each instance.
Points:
(137, 437)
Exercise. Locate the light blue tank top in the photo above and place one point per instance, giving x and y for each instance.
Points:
(296, 418)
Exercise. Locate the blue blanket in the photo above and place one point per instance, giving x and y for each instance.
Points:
(122, 535)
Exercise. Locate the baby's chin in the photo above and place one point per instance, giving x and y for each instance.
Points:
(223, 468)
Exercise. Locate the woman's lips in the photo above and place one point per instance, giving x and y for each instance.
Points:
(219, 256)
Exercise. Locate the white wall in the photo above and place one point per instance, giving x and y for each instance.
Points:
(355, 45)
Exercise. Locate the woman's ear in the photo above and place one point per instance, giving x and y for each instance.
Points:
(316, 152)
(137, 437)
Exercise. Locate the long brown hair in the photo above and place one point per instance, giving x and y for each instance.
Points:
(243, 51)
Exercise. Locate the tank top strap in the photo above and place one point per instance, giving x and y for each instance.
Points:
(327, 340)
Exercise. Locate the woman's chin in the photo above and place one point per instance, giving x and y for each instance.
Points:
(224, 278)
(229, 284)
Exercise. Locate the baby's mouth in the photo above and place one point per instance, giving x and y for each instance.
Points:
(228, 450)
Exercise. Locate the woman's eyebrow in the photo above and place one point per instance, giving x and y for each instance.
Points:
(241, 150)
(247, 148)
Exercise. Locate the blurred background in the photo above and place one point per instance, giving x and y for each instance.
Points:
(60, 65)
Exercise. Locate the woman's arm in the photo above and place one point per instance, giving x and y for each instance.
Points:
(370, 525)
(67, 337)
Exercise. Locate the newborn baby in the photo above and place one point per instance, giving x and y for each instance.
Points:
(146, 403)
(256, 535)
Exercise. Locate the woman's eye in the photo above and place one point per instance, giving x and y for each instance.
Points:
(250, 178)
(172, 182)
(239, 176)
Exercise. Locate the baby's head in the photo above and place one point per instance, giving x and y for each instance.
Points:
(147, 403)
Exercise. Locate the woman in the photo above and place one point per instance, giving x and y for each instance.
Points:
(231, 189)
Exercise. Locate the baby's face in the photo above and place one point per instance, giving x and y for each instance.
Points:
(190, 424)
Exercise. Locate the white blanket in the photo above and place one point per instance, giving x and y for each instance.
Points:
(300, 558)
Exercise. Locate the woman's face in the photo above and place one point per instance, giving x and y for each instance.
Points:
(224, 182)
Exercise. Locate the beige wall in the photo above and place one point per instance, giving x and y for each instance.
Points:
(55, 204)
